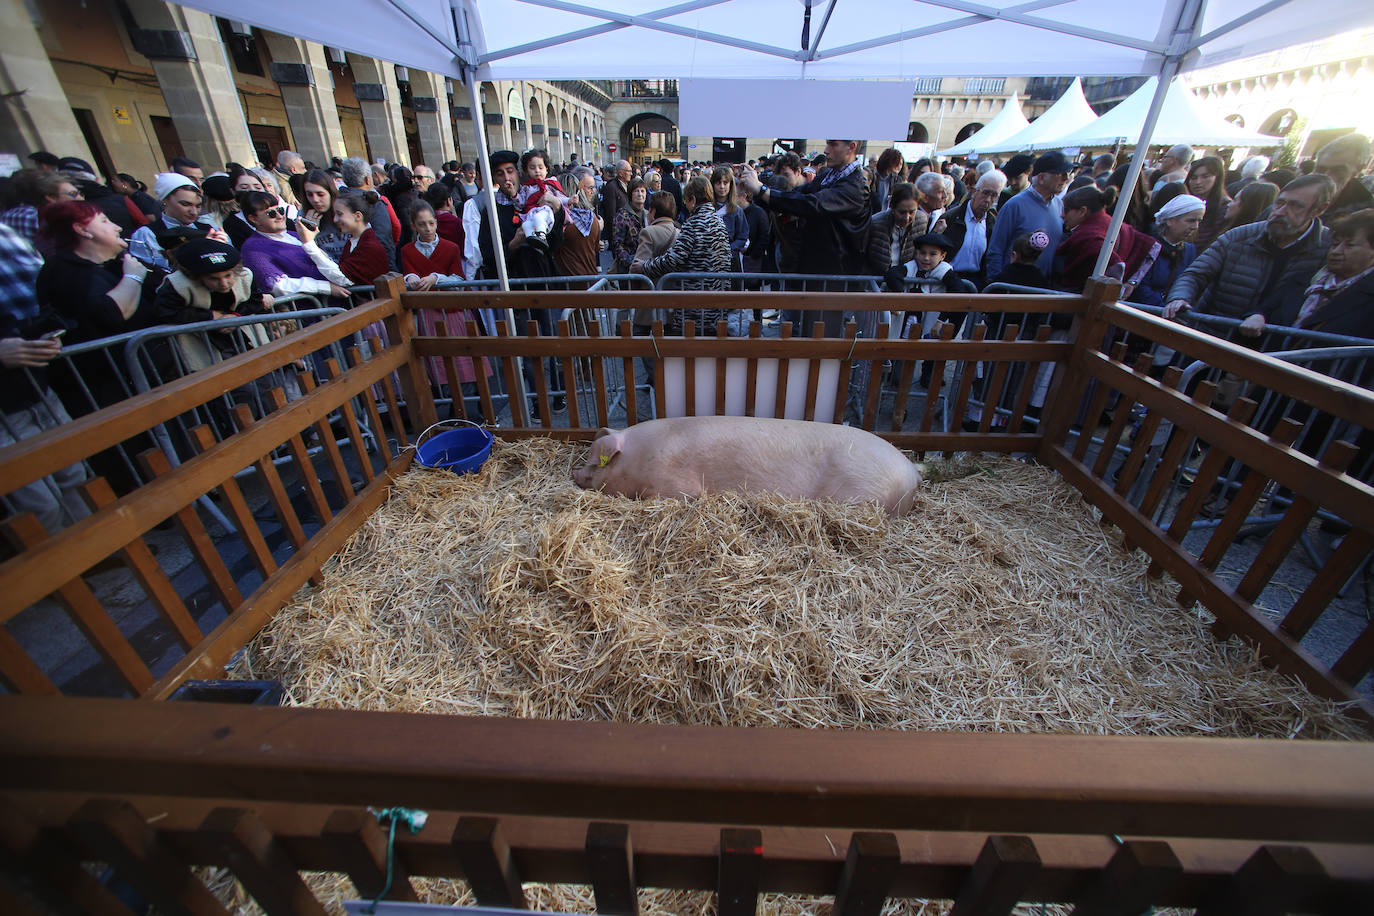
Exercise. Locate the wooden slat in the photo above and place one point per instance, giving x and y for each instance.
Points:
(310, 479)
(751, 373)
(739, 872)
(541, 382)
(869, 867)
(1357, 660)
(1325, 393)
(722, 331)
(359, 843)
(483, 386)
(1120, 418)
(1208, 472)
(25, 532)
(337, 466)
(455, 387)
(193, 532)
(140, 561)
(36, 457)
(1144, 439)
(1004, 869)
(851, 331)
(237, 506)
(689, 332)
(1096, 405)
(1329, 580)
(27, 578)
(511, 370)
(1276, 880)
(992, 396)
(784, 366)
(1101, 785)
(1337, 457)
(875, 385)
(660, 395)
(487, 863)
(54, 867)
(400, 331)
(18, 671)
(937, 381)
(1137, 877)
(813, 377)
(276, 491)
(1027, 389)
(1070, 381)
(903, 394)
(1355, 500)
(117, 834)
(603, 416)
(355, 432)
(960, 411)
(1277, 648)
(374, 416)
(610, 860)
(259, 862)
(393, 412)
(569, 379)
(207, 660)
(627, 370)
(1174, 453)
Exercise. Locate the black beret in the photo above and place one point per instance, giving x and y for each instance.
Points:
(218, 187)
(936, 239)
(170, 237)
(206, 256)
(1053, 161)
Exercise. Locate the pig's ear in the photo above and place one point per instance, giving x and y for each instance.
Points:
(611, 445)
(602, 433)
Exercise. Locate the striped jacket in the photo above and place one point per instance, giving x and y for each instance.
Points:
(701, 246)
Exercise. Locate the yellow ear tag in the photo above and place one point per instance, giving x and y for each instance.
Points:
(605, 459)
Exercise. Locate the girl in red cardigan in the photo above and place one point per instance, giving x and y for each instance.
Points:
(363, 259)
(427, 261)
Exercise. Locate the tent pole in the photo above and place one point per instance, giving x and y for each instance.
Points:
(1166, 77)
(498, 248)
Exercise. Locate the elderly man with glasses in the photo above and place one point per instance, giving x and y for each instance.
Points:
(969, 228)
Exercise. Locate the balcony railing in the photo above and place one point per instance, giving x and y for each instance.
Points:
(985, 86)
(643, 89)
(929, 85)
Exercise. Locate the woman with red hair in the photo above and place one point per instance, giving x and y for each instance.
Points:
(89, 280)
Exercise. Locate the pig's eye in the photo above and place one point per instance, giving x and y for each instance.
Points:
(605, 459)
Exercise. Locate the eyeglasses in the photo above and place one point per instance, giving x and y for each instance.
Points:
(273, 212)
(74, 195)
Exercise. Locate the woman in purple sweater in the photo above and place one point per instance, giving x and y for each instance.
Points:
(285, 262)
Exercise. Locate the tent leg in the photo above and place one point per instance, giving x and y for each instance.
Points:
(1166, 77)
(497, 248)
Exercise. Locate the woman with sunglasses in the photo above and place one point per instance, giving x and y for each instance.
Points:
(286, 262)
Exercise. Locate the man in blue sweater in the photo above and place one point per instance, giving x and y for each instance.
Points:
(1038, 207)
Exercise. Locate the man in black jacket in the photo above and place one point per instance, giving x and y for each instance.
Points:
(969, 228)
(669, 183)
(835, 205)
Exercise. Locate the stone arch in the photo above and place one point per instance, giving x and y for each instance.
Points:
(968, 130)
(586, 140)
(1236, 119)
(535, 112)
(553, 137)
(1280, 122)
(517, 120)
(916, 132)
(566, 125)
(647, 126)
(492, 104)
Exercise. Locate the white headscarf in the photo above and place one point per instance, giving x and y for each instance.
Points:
(1183, 203)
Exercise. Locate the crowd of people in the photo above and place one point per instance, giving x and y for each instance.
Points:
(82, 260)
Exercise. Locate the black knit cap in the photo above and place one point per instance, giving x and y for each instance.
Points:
(199, 257)
(218, 187)
(936, 239)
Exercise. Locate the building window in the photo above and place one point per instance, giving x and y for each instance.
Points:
(916, 133)
(985, 85)
(242, 48)
(929, 86)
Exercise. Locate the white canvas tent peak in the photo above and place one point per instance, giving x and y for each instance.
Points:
(1010, 120)
(1181, 120)
(1069, 113)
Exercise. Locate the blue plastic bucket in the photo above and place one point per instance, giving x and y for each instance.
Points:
(462, 451)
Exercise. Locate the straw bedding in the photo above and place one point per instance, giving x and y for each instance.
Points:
(1000, 603)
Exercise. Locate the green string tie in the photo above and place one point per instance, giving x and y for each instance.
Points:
(414, 819)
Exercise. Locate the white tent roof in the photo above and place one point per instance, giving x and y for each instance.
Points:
(1181, 120)
(556, 39)
(1068, 114)
(1006, 122)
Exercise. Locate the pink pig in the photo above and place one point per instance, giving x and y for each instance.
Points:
(688, 456)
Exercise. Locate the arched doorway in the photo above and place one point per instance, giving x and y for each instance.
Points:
(968, 130)
(553, 137)
(916, 133)
(646, 136)
(566, 122)
(586, 140)
(516, 121)
(1280, 122)
(536, 113)
(492, 116)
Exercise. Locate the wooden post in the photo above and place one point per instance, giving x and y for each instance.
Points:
(487, 863)
(994, 885)
(1273, 881)
(1071, 376)
(737, 877)
(1139, 873)
(257, 859)
(400, 331)
(359, 844)
(610, 859)
(869, 868)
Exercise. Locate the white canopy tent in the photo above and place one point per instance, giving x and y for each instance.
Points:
(1005, 123)
(476, 40)
(1071, 112)
(1182, 119)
